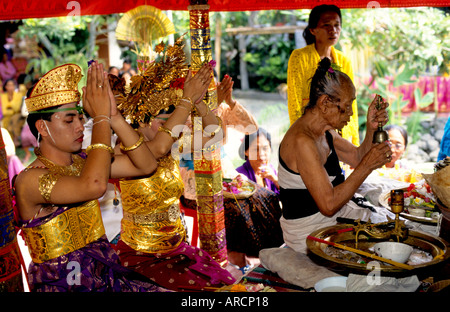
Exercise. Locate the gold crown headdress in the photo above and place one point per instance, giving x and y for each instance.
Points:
(161, 73)
(160, 86)
(57, 87)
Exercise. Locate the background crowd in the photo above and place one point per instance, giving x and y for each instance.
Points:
(247, 232)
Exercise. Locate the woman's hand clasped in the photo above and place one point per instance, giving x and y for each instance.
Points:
(225, 91)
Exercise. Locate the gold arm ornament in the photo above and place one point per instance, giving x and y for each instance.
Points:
(197, 113)
(168, 131)
(219, 127)
(46, 183)
(134, 146)
(187, 99)
(99, 146)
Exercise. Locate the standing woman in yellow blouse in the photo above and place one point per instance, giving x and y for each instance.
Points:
(321, 34)
(11, 102)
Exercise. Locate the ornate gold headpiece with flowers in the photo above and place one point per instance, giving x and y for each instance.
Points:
(157, 88)
(57, 87)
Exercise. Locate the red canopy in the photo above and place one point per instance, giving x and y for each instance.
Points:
(12, 10)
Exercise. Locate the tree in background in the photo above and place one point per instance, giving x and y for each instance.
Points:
(64, 40)
(403, 45)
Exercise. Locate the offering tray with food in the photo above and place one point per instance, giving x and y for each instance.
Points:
(419, 202)
(238, 188)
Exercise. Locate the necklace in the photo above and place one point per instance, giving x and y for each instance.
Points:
(72, 170)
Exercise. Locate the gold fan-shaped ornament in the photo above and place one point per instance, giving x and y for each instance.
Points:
(142, 25)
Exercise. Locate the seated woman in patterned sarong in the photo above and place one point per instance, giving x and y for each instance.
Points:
(153, 238)
(56, 196)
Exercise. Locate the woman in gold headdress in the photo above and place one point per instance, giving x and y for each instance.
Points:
(153, 238)
(56, 196)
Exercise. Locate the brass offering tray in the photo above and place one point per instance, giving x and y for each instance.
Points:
(435, 246)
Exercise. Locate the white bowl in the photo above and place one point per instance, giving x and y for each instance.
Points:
(418, 212)
(332, 284)
(398, 252)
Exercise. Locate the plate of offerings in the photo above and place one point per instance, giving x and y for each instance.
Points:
(419, 203)
(237, 188)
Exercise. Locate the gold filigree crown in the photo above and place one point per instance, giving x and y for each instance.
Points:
(57, 87)
(157, 88)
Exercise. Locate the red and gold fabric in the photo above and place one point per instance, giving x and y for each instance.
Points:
(10, 270)
(52, 8)
(207, 162)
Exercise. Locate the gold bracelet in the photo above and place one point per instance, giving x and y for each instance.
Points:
(164, 129)
(99, 146)
(196, 112)
(134, 146)
(187, 99)
(184, 107)
(219, 127)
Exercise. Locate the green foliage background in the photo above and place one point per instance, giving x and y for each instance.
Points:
(406, 44)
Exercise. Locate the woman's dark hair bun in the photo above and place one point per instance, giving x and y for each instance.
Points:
(324, 65)
(326, 81)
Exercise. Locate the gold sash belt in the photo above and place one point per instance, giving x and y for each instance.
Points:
(155, 232)
(65, 233)
(171, 215)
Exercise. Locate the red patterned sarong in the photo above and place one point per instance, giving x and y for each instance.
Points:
(184, 268)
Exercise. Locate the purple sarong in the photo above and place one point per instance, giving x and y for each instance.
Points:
(94, 267)
(99, 270)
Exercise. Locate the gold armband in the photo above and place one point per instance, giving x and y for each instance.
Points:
(135, 145)
(197, 113)
(99, 146)
(219, 127)
(46, 183)
(168, 131)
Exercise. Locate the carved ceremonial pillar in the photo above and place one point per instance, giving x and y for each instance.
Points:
(207, 162)
(10, 270)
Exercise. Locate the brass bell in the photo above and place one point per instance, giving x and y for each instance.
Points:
(380, 135)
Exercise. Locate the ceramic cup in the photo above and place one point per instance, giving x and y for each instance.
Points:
(398, 252)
